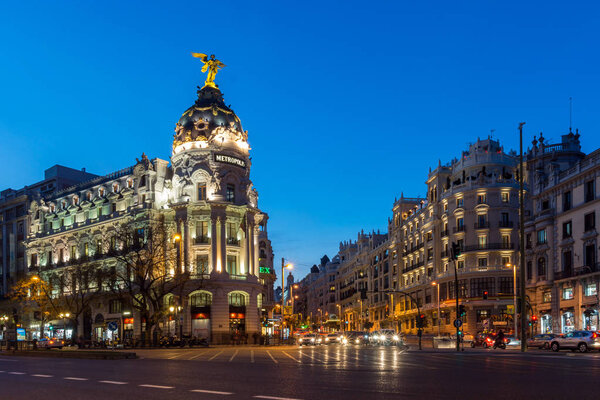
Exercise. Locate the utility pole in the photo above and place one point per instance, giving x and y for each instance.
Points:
(522, 242)
(454, 257)
(282, 295)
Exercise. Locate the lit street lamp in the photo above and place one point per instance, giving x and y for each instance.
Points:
(514, 268)
(439, 316)
(64, 317)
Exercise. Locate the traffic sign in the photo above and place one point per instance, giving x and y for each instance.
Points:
(457, 323)
(112, 326)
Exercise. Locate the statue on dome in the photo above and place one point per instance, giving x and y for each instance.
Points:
(211, 65)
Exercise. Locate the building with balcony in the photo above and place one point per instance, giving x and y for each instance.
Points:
(205, 197)
(561, 235)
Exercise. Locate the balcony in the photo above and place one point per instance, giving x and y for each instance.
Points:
(490, 246)
(231, 241)
(481, 225)
(444, 233)
(201, 240)
(444, 254)
(505, 224)
(457, 229)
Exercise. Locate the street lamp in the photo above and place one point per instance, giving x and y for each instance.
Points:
(514, 268)
(64, 317)
(339, 306)
(439, 316)
(177, 240)
(283, 267)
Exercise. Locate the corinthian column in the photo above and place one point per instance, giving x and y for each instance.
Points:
(213, 243)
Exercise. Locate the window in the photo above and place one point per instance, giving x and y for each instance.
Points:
(590, 191)
(86, 249)
(115, 188)
(460, 264)
(567, 229)
(99, 247)
(590, 221)
(73, 253)
(566, 201)
(547, 297)
(567, 260)
(483, 315)
(590, 255)
(232, 265)
(460, 223)
(33, 260)
(504, 222)
(237, 299)
(480, 285)
(528, 241)
(201, 191)
(202, 232)
(529, 270)
(459, 202)
(506, 242)
(541, 268)
(505, 261)
(545, 204)
(130, 183)
(115, 306)
(506, 285)
(482, 241)
(482, 262)
(541, 236)
(230, 193)
(591, 289)
(445, 207)
(202, 299)
(481, 198)
(482, 221)
(567, 293)
(202, 264)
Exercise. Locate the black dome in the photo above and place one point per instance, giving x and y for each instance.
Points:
(208, 113)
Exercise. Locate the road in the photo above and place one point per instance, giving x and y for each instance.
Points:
(325, 372)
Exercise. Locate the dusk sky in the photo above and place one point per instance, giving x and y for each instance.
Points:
(347, 104)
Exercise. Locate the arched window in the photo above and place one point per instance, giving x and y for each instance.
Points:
(238, 299)
(541, 265)
(169, 300)
(200, 299)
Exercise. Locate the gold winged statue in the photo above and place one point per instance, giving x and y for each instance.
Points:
(211, 65)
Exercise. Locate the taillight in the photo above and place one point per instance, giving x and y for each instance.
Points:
(594, 335)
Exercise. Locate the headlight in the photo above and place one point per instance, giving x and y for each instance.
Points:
(312, 340)
(375, 337)
(300, 340)
(344, 341)
(357, 341)
(340, 338)
(327, 339)
(396, 338)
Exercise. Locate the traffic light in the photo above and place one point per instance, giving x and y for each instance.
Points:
(462, 311)
(455, 251)
(534, 318)
(485, 294)
(421, 321)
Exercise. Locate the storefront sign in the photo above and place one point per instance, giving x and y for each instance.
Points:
(230, 160)
(265, 270)
(200, 315)
(21, 336)
(128, 321)
(236, 315)
(510, 309)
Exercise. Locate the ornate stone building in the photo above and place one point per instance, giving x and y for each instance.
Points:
(206, 198)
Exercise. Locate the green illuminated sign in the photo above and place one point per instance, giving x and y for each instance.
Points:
(265, 270)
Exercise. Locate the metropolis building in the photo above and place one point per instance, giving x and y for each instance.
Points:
(207, 199)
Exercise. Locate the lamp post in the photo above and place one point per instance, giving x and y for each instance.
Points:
(64, 317)
(439, 316)
(522, 241)
(283, 267)
(360, 324)
(514, 268)
(177, 240)
(339, 307)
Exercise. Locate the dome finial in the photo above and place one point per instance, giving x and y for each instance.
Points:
(211, 65)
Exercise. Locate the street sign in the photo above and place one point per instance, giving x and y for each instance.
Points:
(112, 326)
(510, 309)
(457, 323)
(287, 310)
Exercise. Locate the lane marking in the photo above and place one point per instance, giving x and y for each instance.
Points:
(233, 356)
(216, 355)
(274, 398)
(210, 392)
(42, 376)
(314, 358)
(197, 355)
(72, 378)
(16, 373)
(175, 356)
(114, 382)
(293, 358)
(251, 356)
(157, 387)
(272, 358)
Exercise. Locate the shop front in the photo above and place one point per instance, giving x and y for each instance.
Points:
(590, 319)
(201, 325)
(567, 321)
(546, 322)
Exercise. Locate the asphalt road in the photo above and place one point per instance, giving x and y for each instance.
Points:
(325, 372)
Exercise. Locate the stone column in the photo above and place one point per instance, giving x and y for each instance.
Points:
(252, 320)
(255, 250)
(247, 246)
(223, 244)
(186, 246)
(213, 244)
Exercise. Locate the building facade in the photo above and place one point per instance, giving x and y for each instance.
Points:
(209, 204)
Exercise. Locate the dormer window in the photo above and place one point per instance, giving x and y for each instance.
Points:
(130, 183)
(75, 200)
(101, 192)
(89, 195)
(115, 187)
(63, 204)
(52, 208)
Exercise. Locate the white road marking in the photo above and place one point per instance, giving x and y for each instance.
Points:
(210, 392)
(16, 373)
(314, 358)
(233, 356)
(42, 376)
(157, 386)
(251, 356)
(293, 358)
(272, 358)
(175, 356)
(216, 355)
(196, 356)
(72, 378)
(114, 382)
(274, 398)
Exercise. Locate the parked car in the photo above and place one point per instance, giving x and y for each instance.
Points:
(576, 340)
(385, 337)
(310, 339)
(541, 341)
(47, 343)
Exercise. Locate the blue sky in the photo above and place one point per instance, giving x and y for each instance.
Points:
(347, 103)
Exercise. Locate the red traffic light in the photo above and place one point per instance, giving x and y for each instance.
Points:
(534, 318)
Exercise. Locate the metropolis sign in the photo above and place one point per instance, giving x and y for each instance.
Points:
(230, 160)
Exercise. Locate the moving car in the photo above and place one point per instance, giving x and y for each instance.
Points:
(576, 340)
(541, 341)
(332, 338)
(310, 339)
(385, 337)
(483, 339)
(355, 337)
(46, 343)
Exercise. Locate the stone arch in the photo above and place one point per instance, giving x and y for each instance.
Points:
(200, 298)
(238, 298)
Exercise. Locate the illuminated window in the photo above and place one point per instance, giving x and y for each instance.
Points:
(73, 252)
(130, 183)
(482, 241)
(547, 297)
(567, 293)
(115, 187)
(201, 191)
(591, 289)
(482, 262)
(505, 197)
(202, 299)
(232, 265)
(459, 202)
(230, 193)
(481, 198)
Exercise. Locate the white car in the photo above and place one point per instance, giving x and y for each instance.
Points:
(333, 338)
(310, 339)
(46, 343)
(576, 340)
